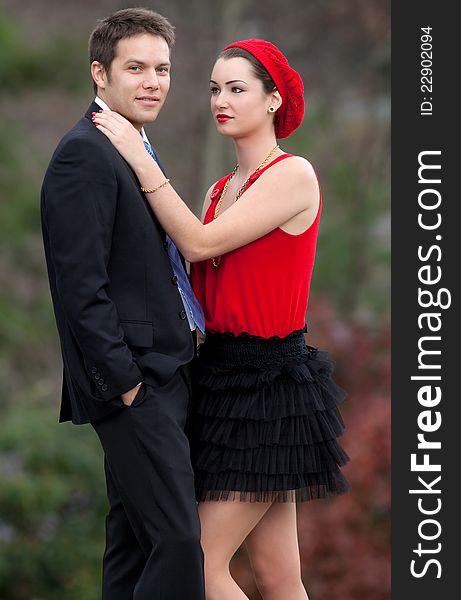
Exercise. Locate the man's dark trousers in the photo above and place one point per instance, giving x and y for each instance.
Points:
(152, 545)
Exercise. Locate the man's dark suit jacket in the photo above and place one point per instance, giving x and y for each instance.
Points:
(118, 310)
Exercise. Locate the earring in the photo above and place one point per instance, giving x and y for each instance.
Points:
(271, 109)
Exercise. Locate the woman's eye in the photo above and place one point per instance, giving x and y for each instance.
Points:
(237, 90)
(214, 90)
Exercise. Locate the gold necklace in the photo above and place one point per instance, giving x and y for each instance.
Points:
(215, 261)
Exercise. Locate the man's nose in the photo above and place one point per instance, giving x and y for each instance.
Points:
(151, 81)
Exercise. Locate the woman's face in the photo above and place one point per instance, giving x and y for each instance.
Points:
(239, 104)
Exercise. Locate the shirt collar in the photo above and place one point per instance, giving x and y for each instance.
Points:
(104, 106)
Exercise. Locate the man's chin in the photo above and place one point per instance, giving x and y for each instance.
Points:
(138, 121)
(150, 118)
(147, 116)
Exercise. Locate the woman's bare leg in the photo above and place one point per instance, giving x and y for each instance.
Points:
(225, 525)
(274, 554)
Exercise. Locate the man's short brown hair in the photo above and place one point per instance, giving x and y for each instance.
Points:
(125, 23)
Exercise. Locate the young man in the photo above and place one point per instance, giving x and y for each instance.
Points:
(124, 314)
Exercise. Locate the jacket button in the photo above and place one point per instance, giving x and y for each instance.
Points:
(182, 315)
(100, 381)
(104, 388)
(94, 370)
(165, 245)
(97, 376)
(174, 280)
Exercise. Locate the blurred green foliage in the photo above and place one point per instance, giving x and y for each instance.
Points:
(19, 211)
(58, 62)
(52, 502)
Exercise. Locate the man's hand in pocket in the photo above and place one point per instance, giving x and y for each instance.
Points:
(128, 397)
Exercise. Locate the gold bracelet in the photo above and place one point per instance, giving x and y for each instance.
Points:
(151, 191)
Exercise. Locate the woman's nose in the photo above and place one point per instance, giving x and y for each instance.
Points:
(221, 100)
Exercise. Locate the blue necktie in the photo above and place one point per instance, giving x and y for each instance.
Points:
(189, 299)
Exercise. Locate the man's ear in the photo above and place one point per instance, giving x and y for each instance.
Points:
(99, 74)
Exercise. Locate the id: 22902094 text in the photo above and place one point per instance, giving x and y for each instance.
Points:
(426, 71)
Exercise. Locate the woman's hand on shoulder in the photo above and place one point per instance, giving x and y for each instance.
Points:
(126, 139)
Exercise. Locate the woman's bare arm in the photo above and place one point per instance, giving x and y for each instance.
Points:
(285, 190)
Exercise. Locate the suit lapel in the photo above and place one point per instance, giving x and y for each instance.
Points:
(91, 109)
(95, 108)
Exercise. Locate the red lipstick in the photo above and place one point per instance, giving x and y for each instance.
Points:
(222, 118)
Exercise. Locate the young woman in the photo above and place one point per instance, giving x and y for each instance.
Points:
(265, 420)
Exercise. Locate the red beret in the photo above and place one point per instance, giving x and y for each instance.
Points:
(287, 80)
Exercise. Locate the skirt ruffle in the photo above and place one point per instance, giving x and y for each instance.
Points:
(265, 423)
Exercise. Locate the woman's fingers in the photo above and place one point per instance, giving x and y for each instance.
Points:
(110, 114)
(121, 133)
(105, 119)
(107, 132)
(110, 124)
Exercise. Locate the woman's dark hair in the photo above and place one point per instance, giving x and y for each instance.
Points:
(259, 71)
(125, 23)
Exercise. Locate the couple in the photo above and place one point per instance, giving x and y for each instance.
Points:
(263, 419)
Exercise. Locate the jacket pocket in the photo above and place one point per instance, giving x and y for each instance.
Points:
(138, 333)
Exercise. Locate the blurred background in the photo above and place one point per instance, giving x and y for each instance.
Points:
(52, 491)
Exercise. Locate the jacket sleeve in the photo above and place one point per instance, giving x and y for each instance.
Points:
(80, 203)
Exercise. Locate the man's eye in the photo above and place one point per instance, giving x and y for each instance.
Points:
(163, 70)
(135, 68)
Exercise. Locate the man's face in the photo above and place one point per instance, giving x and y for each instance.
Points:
(139, 78)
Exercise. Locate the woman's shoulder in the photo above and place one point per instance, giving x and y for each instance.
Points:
(295, 180)
(294, 172)
(297, 165)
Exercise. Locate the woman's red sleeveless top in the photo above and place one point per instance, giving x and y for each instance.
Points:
(261, 288)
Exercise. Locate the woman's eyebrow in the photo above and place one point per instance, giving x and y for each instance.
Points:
(231, 81)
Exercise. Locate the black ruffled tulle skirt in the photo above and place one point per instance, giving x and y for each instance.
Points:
(265, 421)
